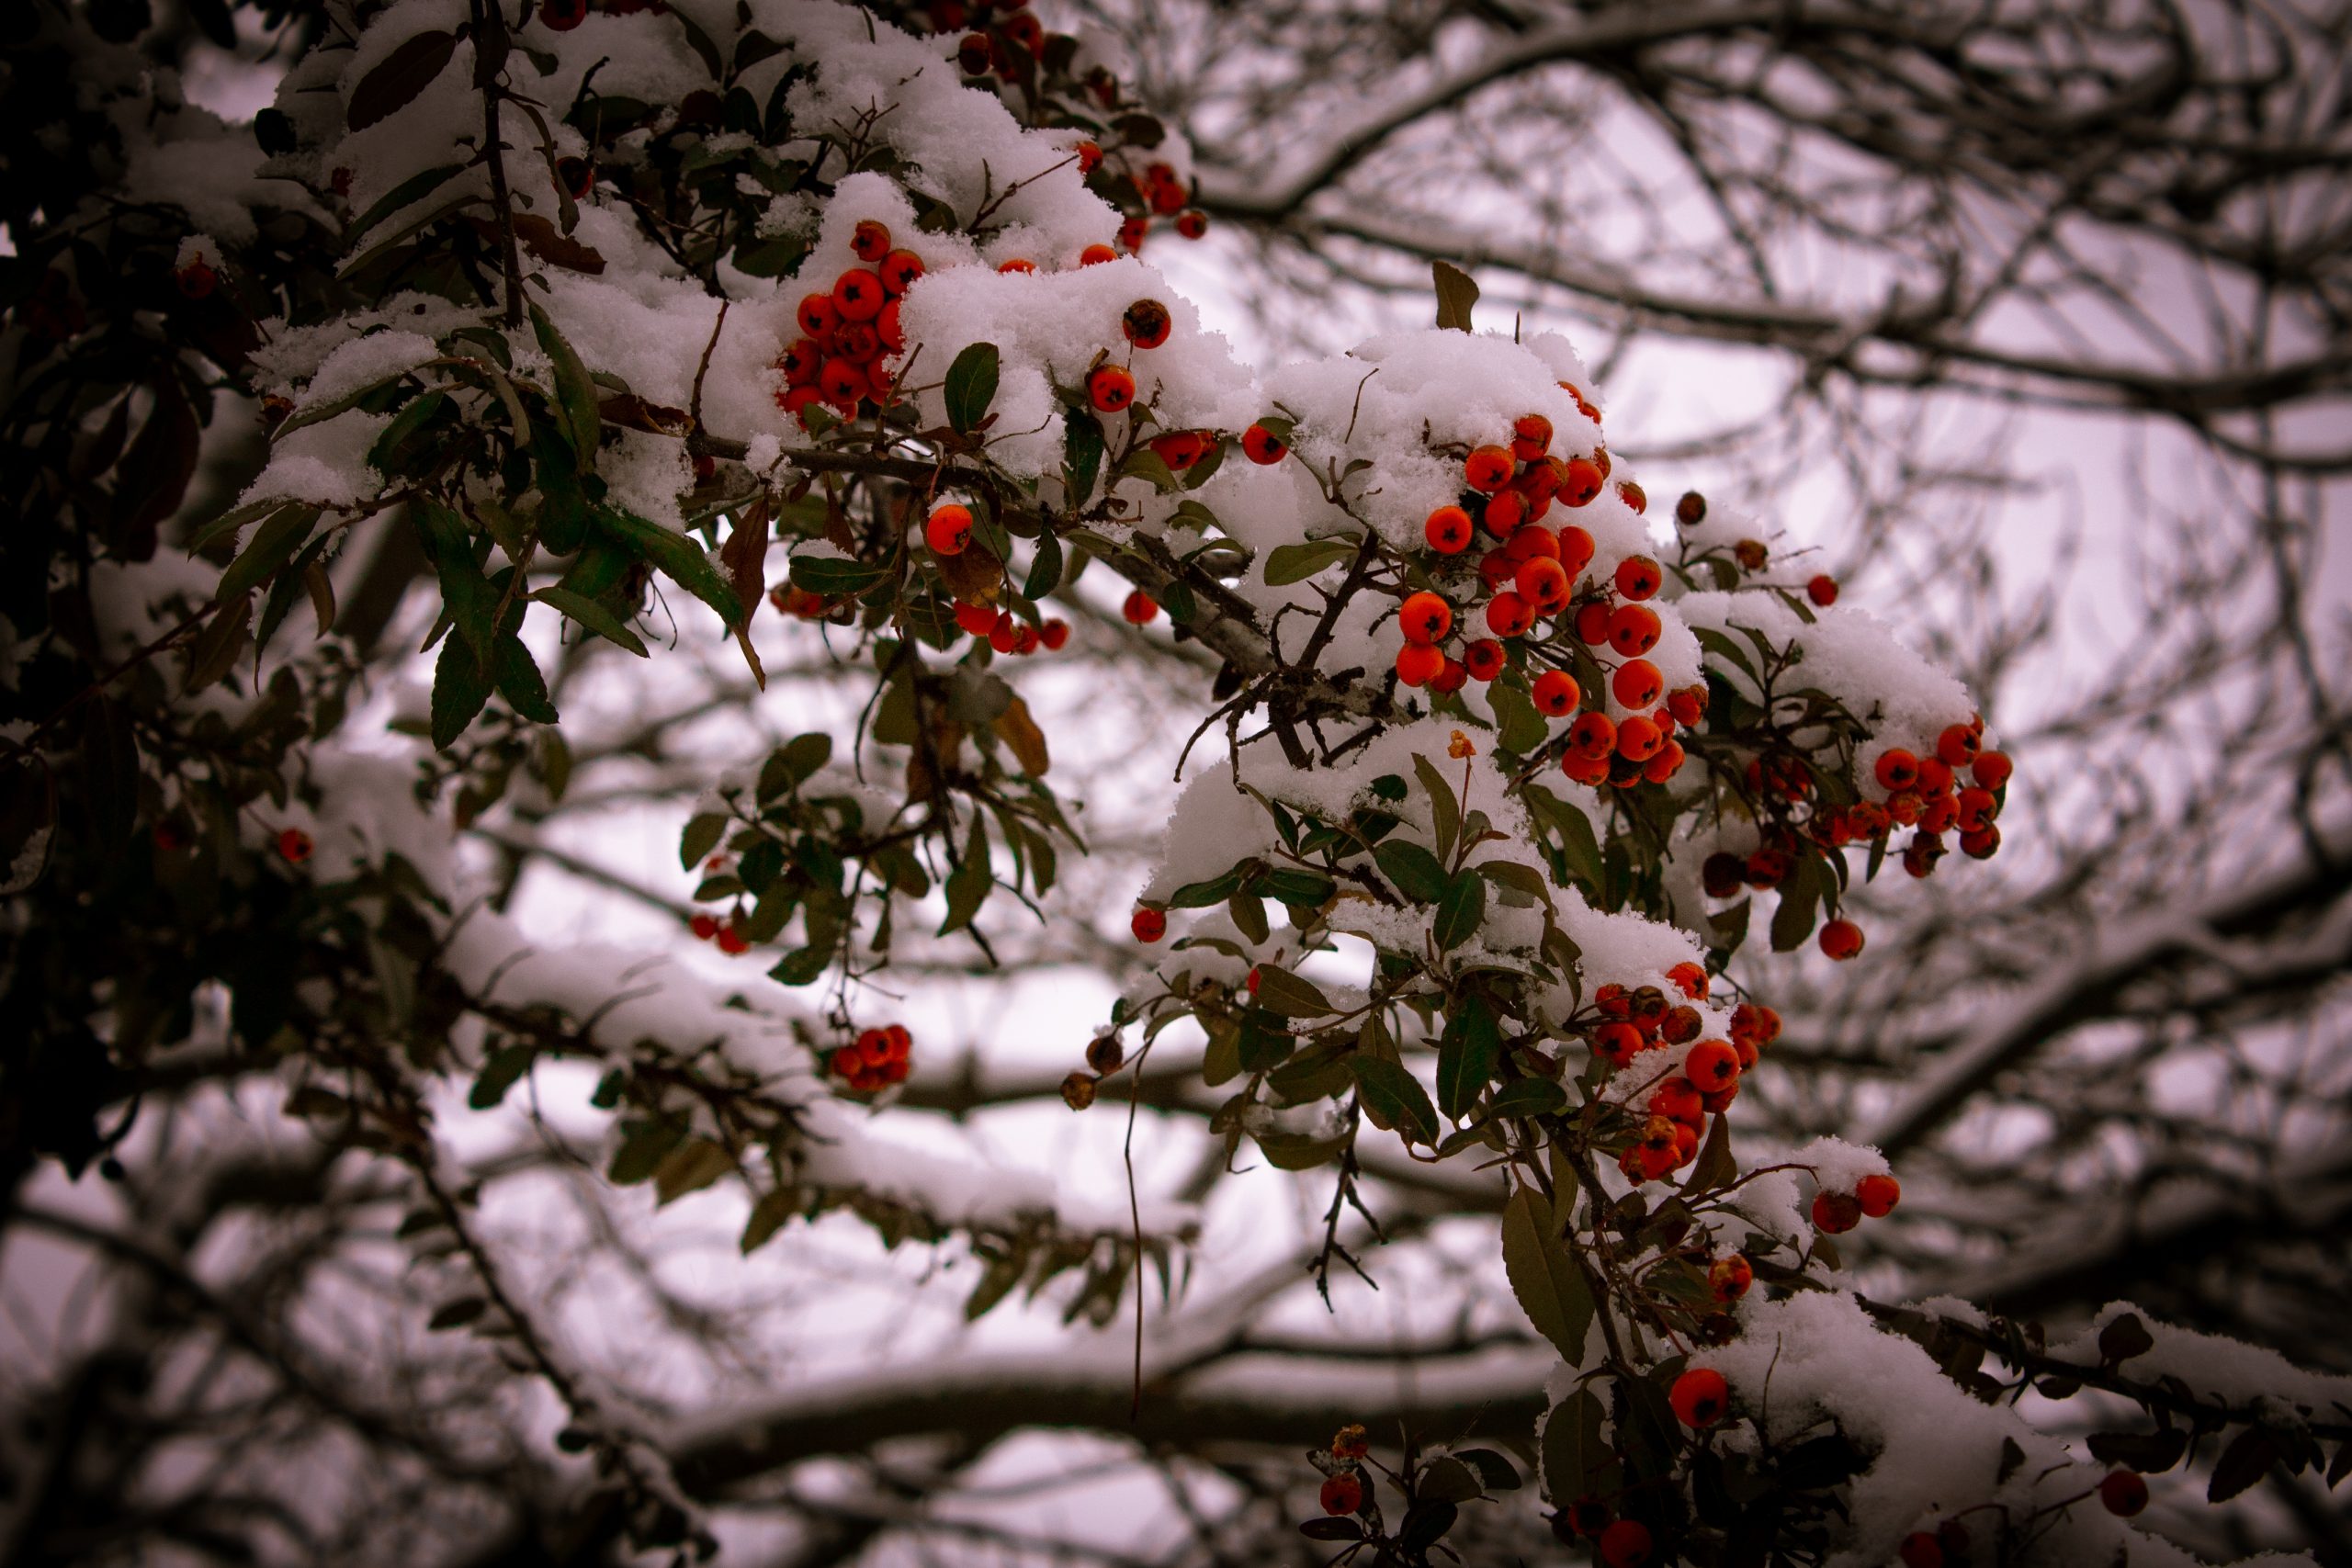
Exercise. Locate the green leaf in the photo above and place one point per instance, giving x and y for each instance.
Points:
(794, 764)
(1300, 889)
(1297, 563)
(833, 576)
(1082, 456)
(703, 831)
(1521, 729)
(519, 680)
(1281, 991)
(1495, 1473)
(592, 616)
(1714, 1167)
(1394, 1098)
(1576, 1460)
(457, 1313)
(575, 393)
(1460, 910)
(971, 387)
(394, 84)
(1045, 570)
(460, 687)
(1413, 870)
(644, 1146)
(2246, 1461)
(1249, 912)
(1455, 295)
(767, 1217)
(388, 455)
(802, 968)
(968, 884)
(1444, 810)
(1800, 895)
(1528, 1097)
(272, 545)
(1551, 1289)
(1200, 895)
(675, 557)
(466, 594)
(504, 1068)
(1467, 1055)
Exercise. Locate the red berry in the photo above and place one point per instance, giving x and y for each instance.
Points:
(1841, 939)
(295, 845)
(1990, 769)
(562, 16)
(1821, 591)
(1580, 482)
(1543, 585)
(1729, 1278)
(1053, 633)
(1835, 1212)
(1594, 734)
(1483, 658)
(1488, 468)
(1093, 255)
(1531, 437)
(899, 269)
(1505, 512)
(1418, 663)
(1139, 608)
(1263, 448)
(2123, 1493)
(1895, 769)
(1700, 1398)
(949, 530)
(858, 294)
(1146, 323)
(1712, 1067)
(1342, 1494)
(1638, 577)
(1633, 496)
(1637, 684)
(1625, 1544)
(1508, 614)
(1958, 746)
(1576, 549)
(704, 926)
(731, 942)
(1555, 692)
(1878, 1195)
(1633, 629)
(1448, 530)
(1110, 388)
(1920, 1549)
(1149, 925)
(1638, 737)
(870, 241)
(1018, 264)
(1192, 223)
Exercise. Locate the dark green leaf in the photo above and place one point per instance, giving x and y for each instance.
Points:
(1551, 1289)
(702, 834)
(1522, 730)
(272, 545)
(644, 1146)
(1495, 1473)
(575, 394)
(394, 84)
(457, 1313)
(1394, 1098)
(2245, 1461)
(833, 576)
(971, 387)
(1443, 808)
(1281, 991)
(1800, 897)
(592, 616)
(1460, 910)
(1413, 870)
(968, 884)
(519, 680)
(1455, 295)
(1081, 457)
(1528, 1097)
(1297, 563)
(677, 557)
(1467, 1055)
(1045, 570)
(460, 687)
(506, 1066)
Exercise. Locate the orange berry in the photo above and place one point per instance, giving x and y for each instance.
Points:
(1089, 156)
(1508, 614)
(1957, 747)
(1543, 585)
(1585, 769)
(818, 316)
(1638, 577)
(1633, 629)
(1342, 1494)
(1895, 769)
(1180, 449)
(1637, 684)
(1533, 543)
(1505, 513)
(1700, 1398)
(1016, 265)
(1110, 388)
(1095, 254)
(1146, 323)
(1689, 979)
(1821, 591)
(1665, 764)
(1878, 1195)
(1488, 468)
(1418, 663)
(1006, 636)
(1263, 448)
(1580, 482)
(1617, 1041)
(1594, 734)
(1483, 659)
(1638, 739)
(1530, 436)
(1712, 1067)
(1729, 1278)
(899, 269)
(1352, 1441)
(1139, 608)
(1841, 939)
(1451, 679)
(1148, 924)
(949, 530)
(1576, 549)
(1991, 769)
(870, 241)
(1835, 1213)
(1555, 692)
(1633, 495)
(1687, 705)
(1448, 530)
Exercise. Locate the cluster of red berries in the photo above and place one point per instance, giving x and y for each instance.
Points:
(1960, 787)
(1621, 1543)
(848, 332)
(799, 602)
(877, 1059)
(1624, 1024)
(1873, 1197)
(1344, 1488)
(2123, 1493)
(707, 927)
(1530, 574)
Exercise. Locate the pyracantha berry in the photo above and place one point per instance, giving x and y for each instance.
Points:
(1139, 608)
(1110, 388)
(1555, 692)
(1878, 1195)
(1448, 529)
(1146, 323)
(949, 530)
(1835, 1212)
(1148, 924)
(1841, 939)
(294, 846)
(1822, 590)
(1262, 447)
(2123, 1493)
(1424, 617)
(1700, 1398)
